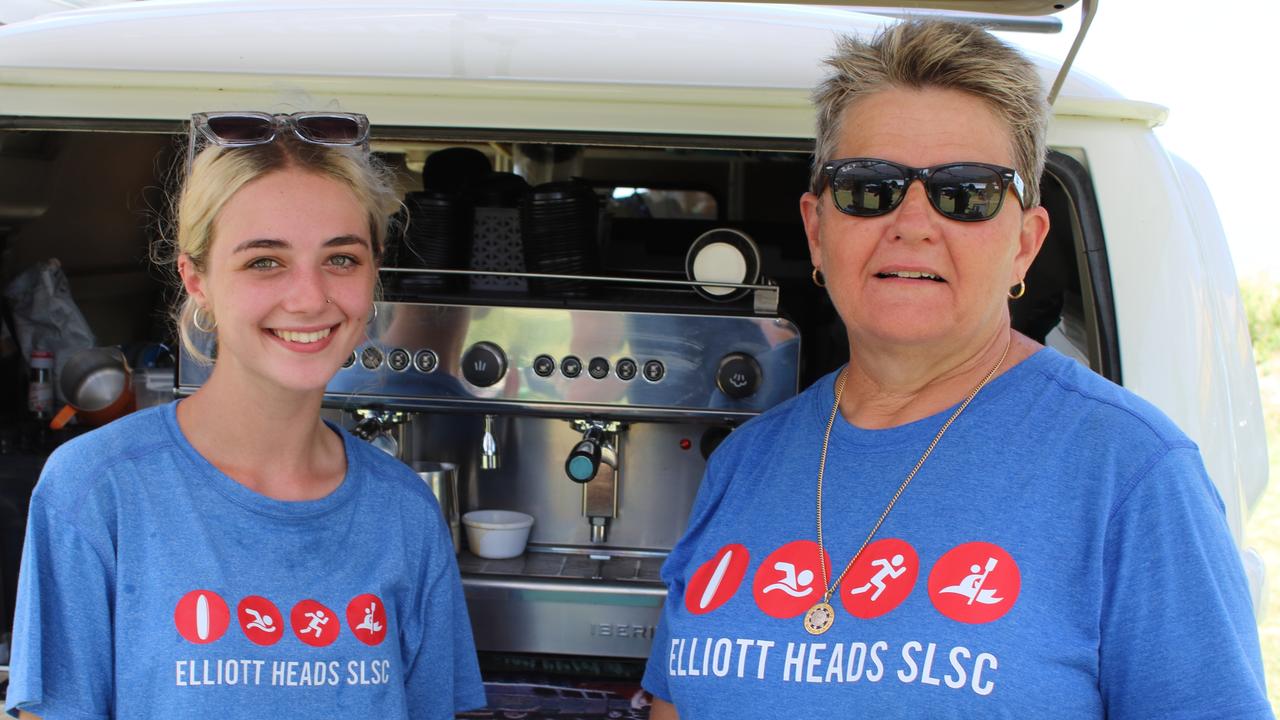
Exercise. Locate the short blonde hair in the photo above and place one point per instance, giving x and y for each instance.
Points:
(217, 173)
(918, 54)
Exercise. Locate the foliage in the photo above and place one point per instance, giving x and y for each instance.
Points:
(1262, 305)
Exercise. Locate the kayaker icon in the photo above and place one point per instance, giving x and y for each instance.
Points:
(976, 582)
(972, 588)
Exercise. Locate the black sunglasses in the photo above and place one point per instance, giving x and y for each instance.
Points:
(965, 191)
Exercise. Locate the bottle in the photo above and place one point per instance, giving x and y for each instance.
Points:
(40, 387)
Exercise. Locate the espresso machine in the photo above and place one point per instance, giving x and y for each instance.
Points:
(593, 416)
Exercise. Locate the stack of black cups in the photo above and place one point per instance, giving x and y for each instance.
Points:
(560, 223)
(439, 218)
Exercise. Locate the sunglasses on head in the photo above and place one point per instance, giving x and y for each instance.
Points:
(242, 129)
(965, 191)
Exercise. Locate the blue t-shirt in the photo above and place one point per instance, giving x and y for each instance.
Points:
(154, 586)
(1062, 554)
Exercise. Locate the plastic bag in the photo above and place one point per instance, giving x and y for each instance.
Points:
(46, 317)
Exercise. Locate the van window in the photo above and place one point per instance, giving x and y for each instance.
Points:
(104, 196)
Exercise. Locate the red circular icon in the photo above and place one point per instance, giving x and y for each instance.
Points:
(881, 579)
(260, 620)
(712, 584)
(201, 616)
(314, 624)
(975, 583)
(367, 618)
(789, 581)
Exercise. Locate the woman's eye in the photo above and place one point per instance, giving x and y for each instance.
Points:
(263, 264)
(343, 261)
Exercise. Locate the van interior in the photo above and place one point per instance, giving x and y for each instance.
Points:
(95, 197)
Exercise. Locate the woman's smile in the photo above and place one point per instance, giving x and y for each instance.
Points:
(306, 341)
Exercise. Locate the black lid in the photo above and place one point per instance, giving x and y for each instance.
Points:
(453, 169)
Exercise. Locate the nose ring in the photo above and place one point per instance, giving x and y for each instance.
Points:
(328, 301)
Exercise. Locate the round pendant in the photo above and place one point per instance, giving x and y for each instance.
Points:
(819, 618)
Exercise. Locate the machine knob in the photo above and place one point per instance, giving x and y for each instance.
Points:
(739, 375)
(484, 364)
(584, 460)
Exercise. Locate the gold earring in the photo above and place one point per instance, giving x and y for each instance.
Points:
(1020, 291)
(195, 320)
(818, 278)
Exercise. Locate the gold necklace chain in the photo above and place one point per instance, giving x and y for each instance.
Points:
(820, 617)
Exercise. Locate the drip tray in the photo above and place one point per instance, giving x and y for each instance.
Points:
(564, 602)
(574, 566)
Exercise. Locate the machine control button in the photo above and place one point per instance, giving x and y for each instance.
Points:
(426, 361)
(371, 358)
(351, 360)
(626, 369)
(544, 365)
(571, 366)
(739, 375)
(398, 359)
(484, 364)
(598, 368)
(654, 370)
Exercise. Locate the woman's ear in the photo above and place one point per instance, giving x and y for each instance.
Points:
(810, 213)
(1035, 227)
(192, 280)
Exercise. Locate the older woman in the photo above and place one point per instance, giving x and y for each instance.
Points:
(960, 522)
(233, 555)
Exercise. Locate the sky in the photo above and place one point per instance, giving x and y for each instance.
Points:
(1217, 72)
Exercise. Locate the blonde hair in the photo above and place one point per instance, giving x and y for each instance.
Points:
(217, 173)
(919, 54)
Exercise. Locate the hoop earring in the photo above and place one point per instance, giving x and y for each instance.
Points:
(818, 278)
(1020, 291)
(374, 316)
(195, 320)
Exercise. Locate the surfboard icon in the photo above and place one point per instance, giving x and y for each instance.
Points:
(716, 578)
(202, 617)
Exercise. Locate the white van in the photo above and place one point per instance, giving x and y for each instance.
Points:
(696, 113)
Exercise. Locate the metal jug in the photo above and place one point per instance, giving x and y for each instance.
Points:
(442, 478)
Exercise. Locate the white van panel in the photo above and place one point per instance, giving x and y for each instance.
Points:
(1173, 294)
(597, 67)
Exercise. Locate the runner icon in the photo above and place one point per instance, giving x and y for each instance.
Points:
(891, 568)
(971, 586)
(318, 619)
(791, 582)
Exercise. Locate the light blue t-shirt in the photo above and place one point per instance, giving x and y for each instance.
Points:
(154, 586)
(1062, 554)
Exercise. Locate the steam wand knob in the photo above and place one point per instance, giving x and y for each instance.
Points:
(584, 459)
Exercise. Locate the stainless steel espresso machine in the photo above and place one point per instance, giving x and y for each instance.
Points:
(593, 417)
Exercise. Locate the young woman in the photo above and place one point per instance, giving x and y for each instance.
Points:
(232, 554)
